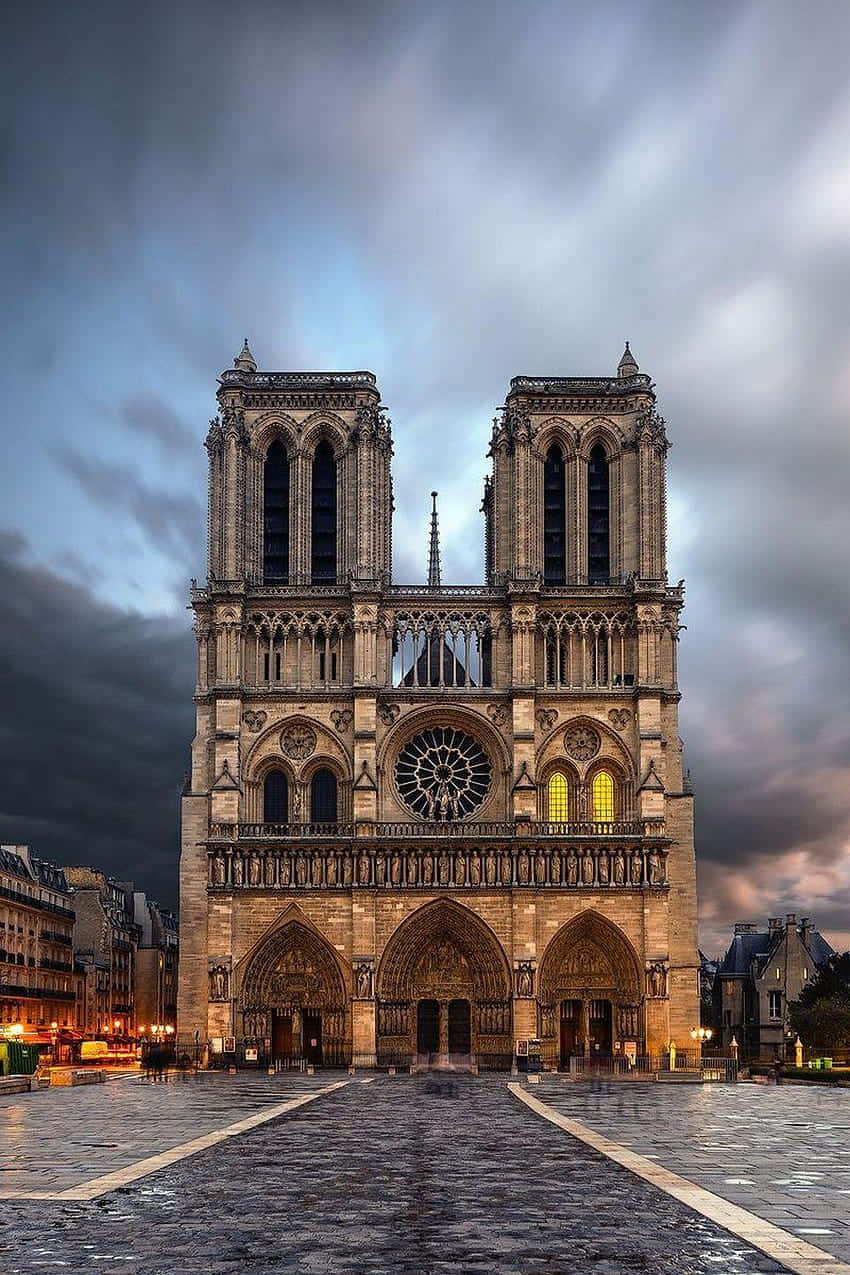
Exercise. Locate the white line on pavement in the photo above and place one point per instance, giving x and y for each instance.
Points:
(151, 1164)
(795, 1253)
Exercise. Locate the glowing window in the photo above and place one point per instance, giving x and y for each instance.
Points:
(558, 798)
(603, 797)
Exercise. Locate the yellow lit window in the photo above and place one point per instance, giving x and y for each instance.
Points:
(603, 797)
(558, 798)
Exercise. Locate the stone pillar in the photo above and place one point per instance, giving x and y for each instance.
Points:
(364, 1029)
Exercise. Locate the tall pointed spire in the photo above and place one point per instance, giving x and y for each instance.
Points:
(628, 363)
(434, 548)
(245, 360)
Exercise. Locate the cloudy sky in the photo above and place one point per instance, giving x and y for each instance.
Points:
(447, 194)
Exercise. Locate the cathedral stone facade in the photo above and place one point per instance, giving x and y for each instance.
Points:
(427, 821)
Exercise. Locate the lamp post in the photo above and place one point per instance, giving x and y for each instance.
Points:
(54, 1039)
(701, 1034)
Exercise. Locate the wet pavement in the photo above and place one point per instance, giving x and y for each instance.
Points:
(426, 1174)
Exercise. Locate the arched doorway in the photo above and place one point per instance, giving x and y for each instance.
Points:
(590, 991)
(292, 997)
(444, 989)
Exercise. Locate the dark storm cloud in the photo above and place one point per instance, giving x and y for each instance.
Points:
(94, 737)
(451, 195)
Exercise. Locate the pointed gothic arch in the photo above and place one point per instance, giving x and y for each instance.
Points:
(590, 957)
(444, 954)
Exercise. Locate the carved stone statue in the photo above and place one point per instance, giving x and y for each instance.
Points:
(412, 868)
(364, 981)
(427, 868)
(656, 980)
(555, 868)
(380, 869)
(318, 869)
(269, 869)
(523, 868)
(490, 868)
(237, 869)
(347, 870)
(254, 869)
(587, 868)
(540, 867)
(506, 868)
(460, 869)
(619, 868)
(395, 868)
(218, 983)
(655, 867)
(363, 868)
(285, 870)
(637, 868)
(218, 870)
(572, 867)
(524, 981)
(300, 868)
(330, 875)
(444, 868)
(602, 869)
(475, 868)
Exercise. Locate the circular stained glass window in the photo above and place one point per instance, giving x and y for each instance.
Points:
(443, 773)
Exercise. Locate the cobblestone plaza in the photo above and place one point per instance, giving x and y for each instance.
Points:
(425, 1174)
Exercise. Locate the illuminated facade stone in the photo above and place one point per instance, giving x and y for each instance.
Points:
(426, 819)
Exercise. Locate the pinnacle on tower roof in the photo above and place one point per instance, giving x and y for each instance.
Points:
(628, 364)
(434, 547)
(245, 360)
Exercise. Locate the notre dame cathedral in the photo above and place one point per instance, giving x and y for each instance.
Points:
(425, 822)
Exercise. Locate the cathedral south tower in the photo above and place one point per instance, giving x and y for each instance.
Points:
(425, 821)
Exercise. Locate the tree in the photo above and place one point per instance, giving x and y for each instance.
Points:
(821, 1015)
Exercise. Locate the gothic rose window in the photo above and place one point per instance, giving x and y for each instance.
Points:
(443, 773)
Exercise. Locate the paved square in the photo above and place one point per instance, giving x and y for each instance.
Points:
(782, 1152)
(426, 1175)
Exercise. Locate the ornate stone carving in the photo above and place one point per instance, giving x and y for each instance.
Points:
(525, 979)
(656, 980)
(363, 980)
(546, 718)
(298, 741)
(219, 981)
(342, 719)
(619, 718)
(388, 713)
(255, 720)
(497, 713)
(582, 742)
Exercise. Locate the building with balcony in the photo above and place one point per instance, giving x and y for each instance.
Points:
(39, 983)
(429, 820)
(105, 941)
(762, 972)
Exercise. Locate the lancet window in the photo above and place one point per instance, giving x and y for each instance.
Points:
(558, 798)
(598, 519)
(276, 514)
(323, 568)
(276, 797)
(602, 797)
(323, 797)
(587, 650)
(554, 518)
(454, 649)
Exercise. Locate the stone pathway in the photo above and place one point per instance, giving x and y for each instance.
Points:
(430, 1175)
(782, 1152)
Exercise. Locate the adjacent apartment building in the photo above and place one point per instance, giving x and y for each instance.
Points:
(762, 972)
(40, 990)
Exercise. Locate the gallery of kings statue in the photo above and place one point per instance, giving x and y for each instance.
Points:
(425, 822)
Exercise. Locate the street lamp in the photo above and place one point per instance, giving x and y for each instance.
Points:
(54, 1037)
(702, 1034)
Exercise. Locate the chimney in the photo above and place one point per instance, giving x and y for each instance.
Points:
(774, 924)
(745, 927)
(806, 929)
(790, 920)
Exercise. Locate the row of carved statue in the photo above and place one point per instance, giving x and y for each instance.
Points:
(269, 868)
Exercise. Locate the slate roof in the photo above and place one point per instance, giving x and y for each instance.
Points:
(758, 945)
